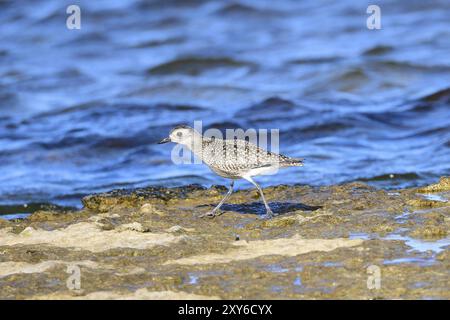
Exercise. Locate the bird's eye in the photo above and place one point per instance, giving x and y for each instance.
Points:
(179, 134)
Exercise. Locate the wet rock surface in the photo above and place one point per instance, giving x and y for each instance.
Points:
(327, 242)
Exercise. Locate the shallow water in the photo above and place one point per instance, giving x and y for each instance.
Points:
(421, 245)
(81, 110)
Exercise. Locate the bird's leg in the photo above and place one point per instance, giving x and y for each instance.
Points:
(213, 213)
(269, 212)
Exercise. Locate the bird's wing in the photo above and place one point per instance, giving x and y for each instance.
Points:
(240, 155)
(251, 156)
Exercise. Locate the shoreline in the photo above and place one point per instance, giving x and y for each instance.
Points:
(147, 243)
(10, 209)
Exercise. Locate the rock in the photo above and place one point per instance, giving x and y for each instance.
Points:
(318, 247)
(43, 215)
(430, 231)
(88, 236)
(279, 222)
(442, 185)
(103, 202)
(383, 228)
(140, 294)
(28, 232)
(444, 256)
(148, 208)
(252, 249)
(4, 223)
(425, 203)
(179, 229)
(134, 226)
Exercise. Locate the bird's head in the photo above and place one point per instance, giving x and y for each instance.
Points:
(181, 134)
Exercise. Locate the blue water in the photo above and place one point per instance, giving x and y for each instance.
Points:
(81, 110)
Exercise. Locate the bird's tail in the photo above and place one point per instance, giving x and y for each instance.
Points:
(293, 162)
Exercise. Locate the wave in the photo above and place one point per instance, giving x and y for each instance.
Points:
(197, 65)
(442, 95)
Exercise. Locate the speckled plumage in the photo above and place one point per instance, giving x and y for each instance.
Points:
(238, 158)
(232, 159)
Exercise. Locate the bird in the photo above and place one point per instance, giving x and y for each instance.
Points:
(232, 159)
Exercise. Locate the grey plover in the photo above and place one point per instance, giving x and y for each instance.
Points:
(232, 159)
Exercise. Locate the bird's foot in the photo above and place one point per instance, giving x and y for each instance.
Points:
(269, 214)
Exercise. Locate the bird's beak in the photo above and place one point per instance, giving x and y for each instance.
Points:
(165, 140)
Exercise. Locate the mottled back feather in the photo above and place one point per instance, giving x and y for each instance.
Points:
(236, 157)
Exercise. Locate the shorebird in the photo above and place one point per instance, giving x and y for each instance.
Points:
(232, 159)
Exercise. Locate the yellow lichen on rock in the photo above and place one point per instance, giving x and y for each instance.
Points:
(442, 185)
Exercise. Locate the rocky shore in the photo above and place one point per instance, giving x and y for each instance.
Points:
(344, 241)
